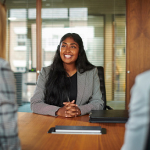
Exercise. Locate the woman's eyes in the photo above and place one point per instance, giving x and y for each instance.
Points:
(73, 47)
(63, 46)
(66, 46)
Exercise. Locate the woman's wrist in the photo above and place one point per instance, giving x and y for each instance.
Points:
(79, 112)
(56, 113)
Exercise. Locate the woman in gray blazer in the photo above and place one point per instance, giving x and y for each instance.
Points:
(70, 86)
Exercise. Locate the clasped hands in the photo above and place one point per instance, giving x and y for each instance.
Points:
(69, 110)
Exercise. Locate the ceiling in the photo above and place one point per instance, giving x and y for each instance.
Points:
(95, 7)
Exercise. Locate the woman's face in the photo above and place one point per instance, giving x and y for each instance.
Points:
(69, 51)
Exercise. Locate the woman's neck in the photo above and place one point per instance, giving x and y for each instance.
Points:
(70, 69)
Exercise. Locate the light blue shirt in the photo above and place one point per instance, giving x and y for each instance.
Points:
(137, 127)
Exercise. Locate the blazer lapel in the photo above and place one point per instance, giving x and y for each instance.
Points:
(80, 86)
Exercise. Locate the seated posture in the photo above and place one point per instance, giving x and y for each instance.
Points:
(70, 86)
(138, 126)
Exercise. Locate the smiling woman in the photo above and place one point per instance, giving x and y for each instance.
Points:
(70, 86)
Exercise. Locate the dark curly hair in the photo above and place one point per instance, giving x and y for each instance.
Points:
(57, 86)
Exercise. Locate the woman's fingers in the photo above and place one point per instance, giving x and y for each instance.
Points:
(73, 101)
(73, 111)
(70, 106)
(67, 103)
(71, 114)
(69, 109)
(68, 114)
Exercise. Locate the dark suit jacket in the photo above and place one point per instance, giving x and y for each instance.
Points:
(88, 93)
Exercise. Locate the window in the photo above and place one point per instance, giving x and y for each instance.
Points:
(21, 40)
(21, 44)
(20, 69)
(101, 24)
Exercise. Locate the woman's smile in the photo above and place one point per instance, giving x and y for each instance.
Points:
(68, 56)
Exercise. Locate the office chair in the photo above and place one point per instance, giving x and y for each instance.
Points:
(102, 86)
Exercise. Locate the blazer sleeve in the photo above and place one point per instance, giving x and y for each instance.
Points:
(95, 102)
(37, 101)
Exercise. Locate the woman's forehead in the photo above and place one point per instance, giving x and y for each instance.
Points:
(69, 40)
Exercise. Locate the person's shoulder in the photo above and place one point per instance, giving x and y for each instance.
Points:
(142, 81)
(91, 72)
(4, 64)
(143, 77)
(94, 69)
(45, 70)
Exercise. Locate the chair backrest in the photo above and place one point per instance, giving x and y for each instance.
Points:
(102, 84)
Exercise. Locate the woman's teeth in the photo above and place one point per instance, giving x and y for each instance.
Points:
(68, 56)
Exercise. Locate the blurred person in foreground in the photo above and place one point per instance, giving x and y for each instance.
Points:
(137, 135)
(8, 108)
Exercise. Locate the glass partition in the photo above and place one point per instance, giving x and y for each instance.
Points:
(101, 24)
(21, 45)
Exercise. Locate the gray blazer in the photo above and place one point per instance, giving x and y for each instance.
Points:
(88, 93)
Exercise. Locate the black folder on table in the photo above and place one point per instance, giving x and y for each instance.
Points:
(108, 116)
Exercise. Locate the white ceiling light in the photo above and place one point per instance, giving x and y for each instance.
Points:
(12, 18)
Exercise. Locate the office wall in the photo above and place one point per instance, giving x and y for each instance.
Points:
(138, 41)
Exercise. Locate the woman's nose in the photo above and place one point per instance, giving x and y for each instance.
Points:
(67, 49)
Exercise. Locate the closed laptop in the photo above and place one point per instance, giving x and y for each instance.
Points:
(108, 116)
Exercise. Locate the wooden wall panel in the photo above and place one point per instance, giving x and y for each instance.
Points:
(38, 37)
(138, 41)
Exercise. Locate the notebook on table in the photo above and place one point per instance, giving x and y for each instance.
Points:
(108, 116)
